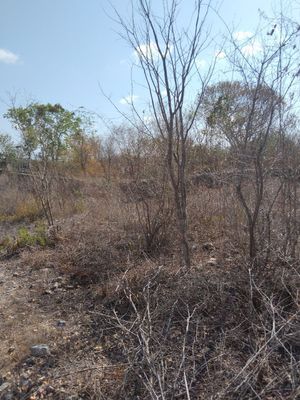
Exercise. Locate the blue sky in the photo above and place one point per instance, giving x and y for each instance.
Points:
(61, 51)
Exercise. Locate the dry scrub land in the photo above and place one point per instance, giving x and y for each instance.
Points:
(121, 323)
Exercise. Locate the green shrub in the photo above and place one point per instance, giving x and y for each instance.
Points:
(25, 238)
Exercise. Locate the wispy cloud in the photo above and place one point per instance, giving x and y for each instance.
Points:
(242, 35)
(220, 54)
(147, 119)
(248, 44)
(200, 63)
(164, 93)
(8, 57)
(128, 99)
(253, 48)
(150, 51)
(147, 50)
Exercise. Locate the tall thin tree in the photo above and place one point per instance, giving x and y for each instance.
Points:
(169, 57)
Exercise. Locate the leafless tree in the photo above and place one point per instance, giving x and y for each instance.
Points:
(168, 56)
(144, 185)
(249, 112)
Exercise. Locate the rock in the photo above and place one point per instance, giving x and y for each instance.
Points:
(69, 287)
(4, 386)
(212, 262)
(47, 292)
(40, 350)
(8, 396)
(61, 323)
(55, 286)
(208, 246)
(29, 362)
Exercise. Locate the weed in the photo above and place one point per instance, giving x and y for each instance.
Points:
(26, 238)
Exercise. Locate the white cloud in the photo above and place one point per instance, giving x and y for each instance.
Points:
(147, 119)
(249, 46)
(164, 93)
(147, 50)
(128, 99)
(220, 54)
(8, 57)
(150, 51)
(253, 48)
(200, 63)
(242, 35)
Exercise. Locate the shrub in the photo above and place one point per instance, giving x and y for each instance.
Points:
(25, 238)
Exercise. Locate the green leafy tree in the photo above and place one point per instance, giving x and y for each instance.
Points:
(44, 129)
(7, 148)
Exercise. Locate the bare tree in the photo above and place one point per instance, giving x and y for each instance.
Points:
(168, 56)
(249, 112)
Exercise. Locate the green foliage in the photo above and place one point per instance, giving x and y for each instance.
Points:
(37, 237)
(44, 129)
(25, 238)
(7, 148)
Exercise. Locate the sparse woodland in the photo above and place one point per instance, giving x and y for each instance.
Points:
(159, 259)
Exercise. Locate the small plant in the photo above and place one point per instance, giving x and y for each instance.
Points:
(41, 235)
(38, 237)
(5, 243)
(25, 238)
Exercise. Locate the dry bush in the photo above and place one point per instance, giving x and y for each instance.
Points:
(16, 202)
(19, 203)
(149, 331)
(196, 336)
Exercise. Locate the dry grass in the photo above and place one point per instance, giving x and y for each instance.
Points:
(137, 326)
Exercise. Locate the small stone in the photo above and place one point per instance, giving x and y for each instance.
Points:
(49, 389)
(30, 362)
(4, 386)
(199, 266)
(40, 350)
(212, 262)
(11, 350)
(8, 396)
(208, 246)
(55, 286)
(61, 323)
